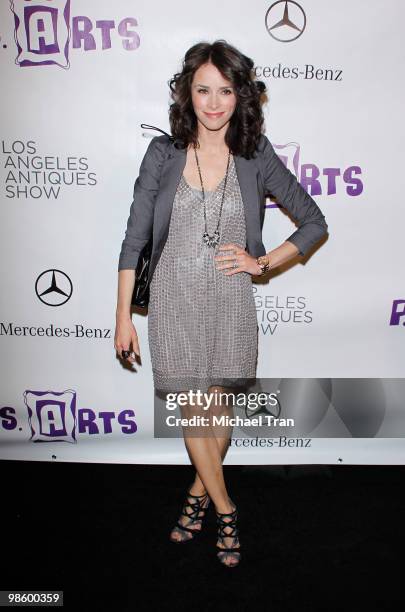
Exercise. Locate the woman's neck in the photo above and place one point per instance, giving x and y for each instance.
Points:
(212, 141)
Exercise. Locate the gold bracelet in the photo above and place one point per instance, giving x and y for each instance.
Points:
(263, 263)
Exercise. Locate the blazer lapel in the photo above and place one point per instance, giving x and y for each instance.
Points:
(247, 172)
(169, 180)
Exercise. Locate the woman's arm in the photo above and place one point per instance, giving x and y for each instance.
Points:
(280, 182)
(140, 220)
(126, 283)
(138, 232)
(125, 332)
(139, 224)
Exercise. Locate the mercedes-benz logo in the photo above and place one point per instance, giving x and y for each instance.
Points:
(53, 287)
(285, 24)
(254, 412)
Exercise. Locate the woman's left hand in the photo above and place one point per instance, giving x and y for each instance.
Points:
(246, 263)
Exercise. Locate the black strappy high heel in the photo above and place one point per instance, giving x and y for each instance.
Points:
(195, 516)
(232, 532)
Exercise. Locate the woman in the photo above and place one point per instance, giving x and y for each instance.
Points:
(202, 195)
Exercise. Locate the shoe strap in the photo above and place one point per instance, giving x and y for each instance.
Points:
(231, 551)
(195, 506)
(197, 496)
(222, 524)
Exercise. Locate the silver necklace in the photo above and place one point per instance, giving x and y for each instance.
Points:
(212, 240)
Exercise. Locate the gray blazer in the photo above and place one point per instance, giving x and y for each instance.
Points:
(154, 191)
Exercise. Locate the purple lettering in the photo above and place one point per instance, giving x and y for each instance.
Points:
(134, 42)
(397, 312)
(130, 426)
(331, 173)
(105, 27)
(309, 178)
(82, 34)
(107, 417)
(8, 420)
(356, 187)
(87, 423)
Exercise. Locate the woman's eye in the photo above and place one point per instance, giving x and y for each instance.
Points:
(226, 91)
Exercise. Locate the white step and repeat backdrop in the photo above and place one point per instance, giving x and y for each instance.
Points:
(78, 79)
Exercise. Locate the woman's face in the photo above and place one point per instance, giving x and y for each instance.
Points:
(213, 97)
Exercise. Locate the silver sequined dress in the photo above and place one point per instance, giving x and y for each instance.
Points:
(202, 324)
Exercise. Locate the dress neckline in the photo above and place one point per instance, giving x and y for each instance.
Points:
(208, 190)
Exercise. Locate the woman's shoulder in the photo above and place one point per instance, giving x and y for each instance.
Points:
(160, 142)
(263, 144)
(158, 147)
(162, 139)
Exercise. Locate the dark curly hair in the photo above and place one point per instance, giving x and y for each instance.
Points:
(245, 126)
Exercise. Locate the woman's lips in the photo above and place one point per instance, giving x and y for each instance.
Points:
(214, 115)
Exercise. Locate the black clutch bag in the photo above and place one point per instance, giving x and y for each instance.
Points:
(140, 296)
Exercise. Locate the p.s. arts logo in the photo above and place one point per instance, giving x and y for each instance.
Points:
(45, 32)
(317, 180)
(54, 416)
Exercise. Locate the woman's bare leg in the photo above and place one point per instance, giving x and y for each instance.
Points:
(206, 454)
(198, 487)
(206, 447)
(207, 460)
(222, 437)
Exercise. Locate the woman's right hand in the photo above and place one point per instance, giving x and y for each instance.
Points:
(125, 335)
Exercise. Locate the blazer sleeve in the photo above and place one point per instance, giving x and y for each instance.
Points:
(280, 182)
(140, 220)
